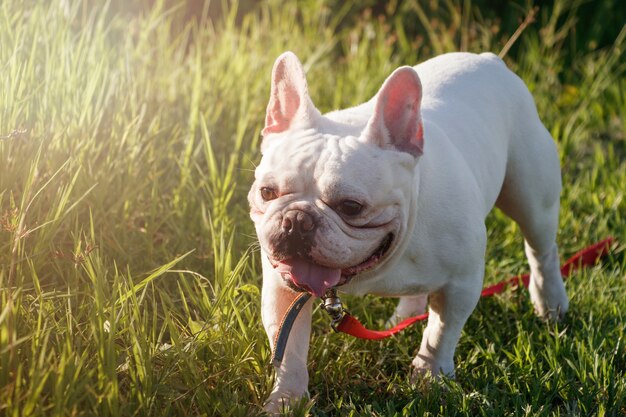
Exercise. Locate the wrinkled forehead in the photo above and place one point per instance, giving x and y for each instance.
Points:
(332, 164)
(292, 150)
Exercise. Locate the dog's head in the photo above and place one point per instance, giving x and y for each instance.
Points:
(332, 198)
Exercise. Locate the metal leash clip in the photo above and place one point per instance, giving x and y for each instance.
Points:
(332, 305)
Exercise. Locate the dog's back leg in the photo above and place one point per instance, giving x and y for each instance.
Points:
(530, 196)
(408, 306)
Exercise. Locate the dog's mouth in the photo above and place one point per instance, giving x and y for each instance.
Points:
(370, 262)
(304, 275)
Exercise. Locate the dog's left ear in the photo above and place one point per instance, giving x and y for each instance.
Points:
(289, 103)
(397, 122)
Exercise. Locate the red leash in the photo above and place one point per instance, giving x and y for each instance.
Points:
(586, 257)
(344, 322)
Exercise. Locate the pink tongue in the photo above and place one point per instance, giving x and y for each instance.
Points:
(305, 274)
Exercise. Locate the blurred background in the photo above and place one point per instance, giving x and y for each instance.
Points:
(129, 273)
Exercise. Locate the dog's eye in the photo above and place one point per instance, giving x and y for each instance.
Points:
(350, 208)
(268, 194)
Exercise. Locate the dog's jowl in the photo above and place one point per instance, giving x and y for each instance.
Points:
(390, 198)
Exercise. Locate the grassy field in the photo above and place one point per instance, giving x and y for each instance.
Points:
(129, 273)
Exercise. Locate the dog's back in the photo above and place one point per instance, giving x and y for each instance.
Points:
(487, 114)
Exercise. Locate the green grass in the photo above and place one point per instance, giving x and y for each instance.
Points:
(129, 276)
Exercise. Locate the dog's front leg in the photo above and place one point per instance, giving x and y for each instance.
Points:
(449, 309)
(292, 377)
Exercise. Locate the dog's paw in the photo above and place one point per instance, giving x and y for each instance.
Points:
(425, 369)
(547, 313)
(286, 403)
(549, 300)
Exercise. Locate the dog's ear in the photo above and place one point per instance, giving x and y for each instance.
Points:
(396, 121)
(290, 103)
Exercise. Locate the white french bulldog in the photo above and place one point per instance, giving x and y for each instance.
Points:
(390, 198)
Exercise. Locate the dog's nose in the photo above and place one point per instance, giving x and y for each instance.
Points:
(297, 222)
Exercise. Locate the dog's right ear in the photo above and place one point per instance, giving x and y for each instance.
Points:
(290, 103)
